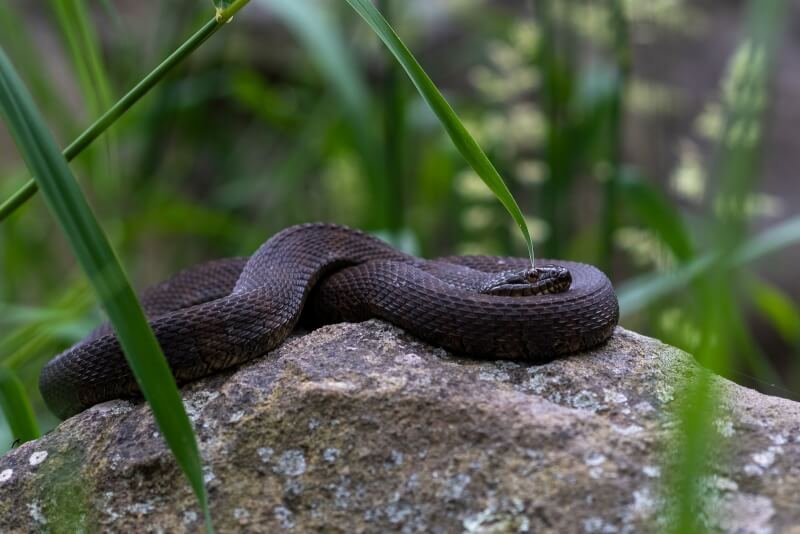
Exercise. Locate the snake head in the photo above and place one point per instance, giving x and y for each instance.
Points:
(539, 280)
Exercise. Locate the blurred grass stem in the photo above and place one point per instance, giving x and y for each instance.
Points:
(622, 53)
(394, 110)
(126, 102)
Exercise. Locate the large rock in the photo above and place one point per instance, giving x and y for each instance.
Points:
(359, 427)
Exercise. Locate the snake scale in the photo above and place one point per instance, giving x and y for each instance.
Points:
(225, 312)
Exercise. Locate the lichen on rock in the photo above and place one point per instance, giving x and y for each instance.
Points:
(362, 428)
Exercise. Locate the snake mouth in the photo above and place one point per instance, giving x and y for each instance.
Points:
(541, 280)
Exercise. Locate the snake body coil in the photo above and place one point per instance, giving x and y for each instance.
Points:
(216, 315)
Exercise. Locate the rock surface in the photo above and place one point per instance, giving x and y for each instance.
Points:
(361, 428)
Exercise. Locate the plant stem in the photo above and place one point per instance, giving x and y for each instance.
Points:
(557, 63)
(225, 15)
(622, 55)
(126, 102)
(16, 406)
(393, 134)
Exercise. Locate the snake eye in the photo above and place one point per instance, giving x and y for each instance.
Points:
(532, 281)
(528, 276)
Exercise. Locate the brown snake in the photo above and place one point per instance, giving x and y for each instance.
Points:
(225, 312)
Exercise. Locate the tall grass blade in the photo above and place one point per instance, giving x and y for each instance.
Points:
(24, 44)
(16, 407)
(394, 132)
(311, 22)
(637, 294)
(83, 46)
(778, 308)
(770, 240)
(736, 171)
(27, 191)
(35, 332)
(652, 208)
(84, 49)
(462, 139)
(618, 19)
(104, 272)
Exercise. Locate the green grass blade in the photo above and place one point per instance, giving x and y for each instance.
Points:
(113, 13)
(778, 308)
(124, 104)
(83, 46)
(16, 407)
(462, 139)
(637, 294)
(39, 331)
(84, 49)
(18, 199)
(226, 9)
(315, 29)
(652, 208)
(103, 270)
(770, 240)
(310, 21)
(618, 19)
(395, 133)
(21, 43)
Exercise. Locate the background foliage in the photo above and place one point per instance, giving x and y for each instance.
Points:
(650, 138)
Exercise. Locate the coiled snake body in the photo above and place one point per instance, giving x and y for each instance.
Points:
(216, 315)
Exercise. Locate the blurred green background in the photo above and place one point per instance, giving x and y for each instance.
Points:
(654, 138)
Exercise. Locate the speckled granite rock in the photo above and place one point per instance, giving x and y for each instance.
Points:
(361, 428)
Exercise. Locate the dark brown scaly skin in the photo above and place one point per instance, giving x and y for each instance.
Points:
(222, 313)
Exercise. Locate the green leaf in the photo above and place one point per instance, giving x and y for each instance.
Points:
(462, 139)
(104, 272)
(16, 407)
(222, 4)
